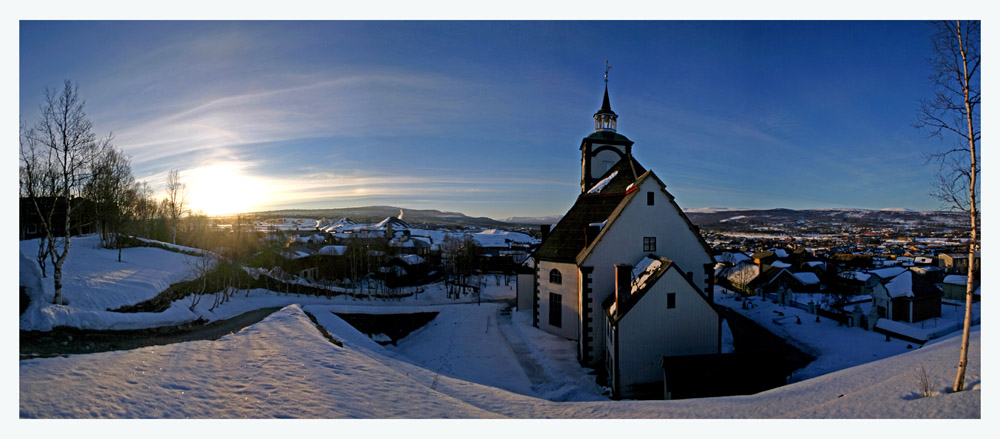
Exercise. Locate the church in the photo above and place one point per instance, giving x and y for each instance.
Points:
(625, 273)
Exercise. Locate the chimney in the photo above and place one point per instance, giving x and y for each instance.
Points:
(710, 281)
(623, 285)
(590, 233)
(545, 231)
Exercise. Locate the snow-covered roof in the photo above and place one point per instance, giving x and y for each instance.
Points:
(901, 286)
(806, 277)
(501, 238)
(888, 273)
(780, 264)
(397, 223)
(732, 257)
(956, 279)
(333, 250)
(816, 264)
(780, 252)
(642, 270)
(743, 273)
(343, 223)
(856, 275)
(411, 259)
(601, 184)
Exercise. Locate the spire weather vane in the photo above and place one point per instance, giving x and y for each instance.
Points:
(606, 68)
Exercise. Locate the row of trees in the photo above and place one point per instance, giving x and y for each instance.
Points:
(67, 173)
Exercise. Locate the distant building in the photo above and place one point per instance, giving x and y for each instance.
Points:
(906, 297)
(954, 286)
(957, 263)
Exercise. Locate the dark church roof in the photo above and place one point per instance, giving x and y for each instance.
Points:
(568, 238)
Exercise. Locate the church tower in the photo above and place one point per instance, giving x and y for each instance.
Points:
(604, 147)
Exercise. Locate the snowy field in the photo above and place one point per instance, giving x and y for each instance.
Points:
(471, 361)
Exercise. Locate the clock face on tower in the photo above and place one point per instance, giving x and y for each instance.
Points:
(603, 158)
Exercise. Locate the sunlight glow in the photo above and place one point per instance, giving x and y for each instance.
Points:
(223, 188)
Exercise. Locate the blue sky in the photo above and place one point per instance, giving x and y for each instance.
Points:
(486, 117)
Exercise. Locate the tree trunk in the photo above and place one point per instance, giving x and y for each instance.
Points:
(57, 281)
(973, 212)
(42, 254)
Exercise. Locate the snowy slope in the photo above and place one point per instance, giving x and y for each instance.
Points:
(283, 367)
(95, 280)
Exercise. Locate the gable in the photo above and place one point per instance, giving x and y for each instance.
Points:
(630, 196)
(666, 266)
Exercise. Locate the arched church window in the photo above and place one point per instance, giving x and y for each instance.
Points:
(555, 277)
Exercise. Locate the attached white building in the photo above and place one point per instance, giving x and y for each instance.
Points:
(655, 311)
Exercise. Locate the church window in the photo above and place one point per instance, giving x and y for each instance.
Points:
(649, 244)
(649, 198)
(555, 310)
(555, 277)
(671, 300)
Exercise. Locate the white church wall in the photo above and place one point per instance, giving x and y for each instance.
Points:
(567, 291)
(623, 243)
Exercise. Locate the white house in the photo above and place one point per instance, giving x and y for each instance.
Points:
(655, 311)
(906, 297)
(623, 213)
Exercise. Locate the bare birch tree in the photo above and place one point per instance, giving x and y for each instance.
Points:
(954, 111)
(61, 149)
(176, 201)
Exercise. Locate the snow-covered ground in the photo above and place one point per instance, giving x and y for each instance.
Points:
(471, 361)
(835, 347)
(94, 281)
(282, 367)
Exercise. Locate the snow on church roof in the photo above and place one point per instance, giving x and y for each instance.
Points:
(643, 270)
(603, 183)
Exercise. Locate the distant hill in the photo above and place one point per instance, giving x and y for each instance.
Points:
(533, 220)
(379, 213)
(749, 219)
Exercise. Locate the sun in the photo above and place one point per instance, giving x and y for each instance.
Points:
(222, 189)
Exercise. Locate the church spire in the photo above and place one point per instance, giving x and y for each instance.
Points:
(606, 106)
(605, 119)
